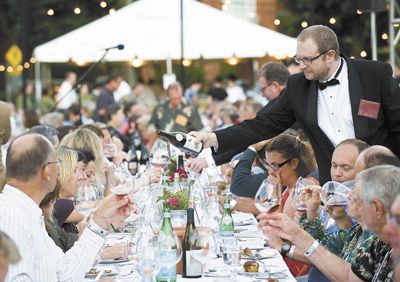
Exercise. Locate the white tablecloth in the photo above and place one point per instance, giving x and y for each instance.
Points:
(248, 236)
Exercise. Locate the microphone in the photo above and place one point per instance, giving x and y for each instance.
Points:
(119, 47)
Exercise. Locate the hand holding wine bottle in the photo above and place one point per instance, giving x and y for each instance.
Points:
(182, 141)
(206, 138)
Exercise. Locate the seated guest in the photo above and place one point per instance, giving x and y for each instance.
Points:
(5, 132)
(287, 158)
(65, 240)
(8, 254)
(374, 192)
(392, 230)
(21, 218)
(71, 173)
(47, 131)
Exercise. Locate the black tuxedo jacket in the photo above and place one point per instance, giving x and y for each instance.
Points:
(368, 80)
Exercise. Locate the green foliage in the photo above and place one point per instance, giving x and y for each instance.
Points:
(175, 200)
(40, 27)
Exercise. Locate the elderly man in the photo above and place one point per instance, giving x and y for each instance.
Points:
(392, 230)
(375, 191)
(31, 170)
(176, 114)
(333, 99)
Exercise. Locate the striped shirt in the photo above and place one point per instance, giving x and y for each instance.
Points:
(22, 219)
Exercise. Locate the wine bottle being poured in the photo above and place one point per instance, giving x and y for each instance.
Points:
(182, 141)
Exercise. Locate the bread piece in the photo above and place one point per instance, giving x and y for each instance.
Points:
(247, 252)
(251, 266)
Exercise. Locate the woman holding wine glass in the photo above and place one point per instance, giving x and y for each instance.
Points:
(287, 159)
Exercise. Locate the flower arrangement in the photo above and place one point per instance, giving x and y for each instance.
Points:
(172, 169)
(175, 200)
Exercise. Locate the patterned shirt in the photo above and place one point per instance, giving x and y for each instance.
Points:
(334, 241)
(376, 265)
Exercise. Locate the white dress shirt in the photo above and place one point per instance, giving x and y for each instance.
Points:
(42, 261)
(334, 109)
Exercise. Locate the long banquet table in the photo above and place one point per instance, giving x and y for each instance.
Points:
(248, 236)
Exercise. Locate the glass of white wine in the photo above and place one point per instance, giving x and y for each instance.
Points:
(121, 180)
(205, 248)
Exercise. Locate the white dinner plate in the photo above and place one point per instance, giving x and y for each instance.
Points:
(109, 261)
(107, 272)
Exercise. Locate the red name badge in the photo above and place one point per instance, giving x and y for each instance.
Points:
(368, 109)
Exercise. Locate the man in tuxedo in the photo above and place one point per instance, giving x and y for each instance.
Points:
(335, 98)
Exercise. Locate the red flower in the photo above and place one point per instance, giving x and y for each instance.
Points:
(173, 201)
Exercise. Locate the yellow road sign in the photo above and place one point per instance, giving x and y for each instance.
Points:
(14, 56)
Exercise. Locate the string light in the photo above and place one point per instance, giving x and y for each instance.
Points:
(233, 61)
(32, 60)
(304, 24)
(332, 20)
(77, 10)
(363, 54)
(352, 57)
(277, 22)
(10, 69)
(112, 11)
(50, 12)
(186, 62)
(103, 4)
(385, 36)
(27, 65)
(396, 25)
(136, 62)
(2, 68)
(359, 12)
(20, 68)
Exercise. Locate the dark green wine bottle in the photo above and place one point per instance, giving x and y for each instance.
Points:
(191, 268)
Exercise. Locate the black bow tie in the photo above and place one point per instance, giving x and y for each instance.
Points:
(334, 80)
(323, 85)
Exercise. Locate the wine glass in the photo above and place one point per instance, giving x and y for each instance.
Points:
(149, 261)
(298, 195)
(334, 193)
(86, 199)
(170, 251)
(268, 196)
(160, 153)
(204, 247)
(121, 180)
(156, 217)
(231, 254)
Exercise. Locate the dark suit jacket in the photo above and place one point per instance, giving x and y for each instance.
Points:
(368, 80)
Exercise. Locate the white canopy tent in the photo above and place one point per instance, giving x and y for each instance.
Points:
(150, 30)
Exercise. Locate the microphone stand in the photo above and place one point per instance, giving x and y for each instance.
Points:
(78, 85)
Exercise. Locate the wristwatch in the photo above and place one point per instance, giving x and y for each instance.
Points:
(285, 248)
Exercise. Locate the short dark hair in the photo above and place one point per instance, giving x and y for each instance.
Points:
(85, 156)
(274, 71)
(47, 131)
(359, 144)
(128, 106)
(112, 110)
(24, 162)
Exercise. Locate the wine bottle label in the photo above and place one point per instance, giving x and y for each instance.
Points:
(193, 266)
(191, 145)
(226, 233)
(167, 272)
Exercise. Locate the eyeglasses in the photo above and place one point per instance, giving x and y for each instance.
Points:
(265, 87)
(57, 162)
(308, 61)
(277, 166)
(393, 219)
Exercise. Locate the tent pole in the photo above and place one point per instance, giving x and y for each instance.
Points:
(181, 67)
